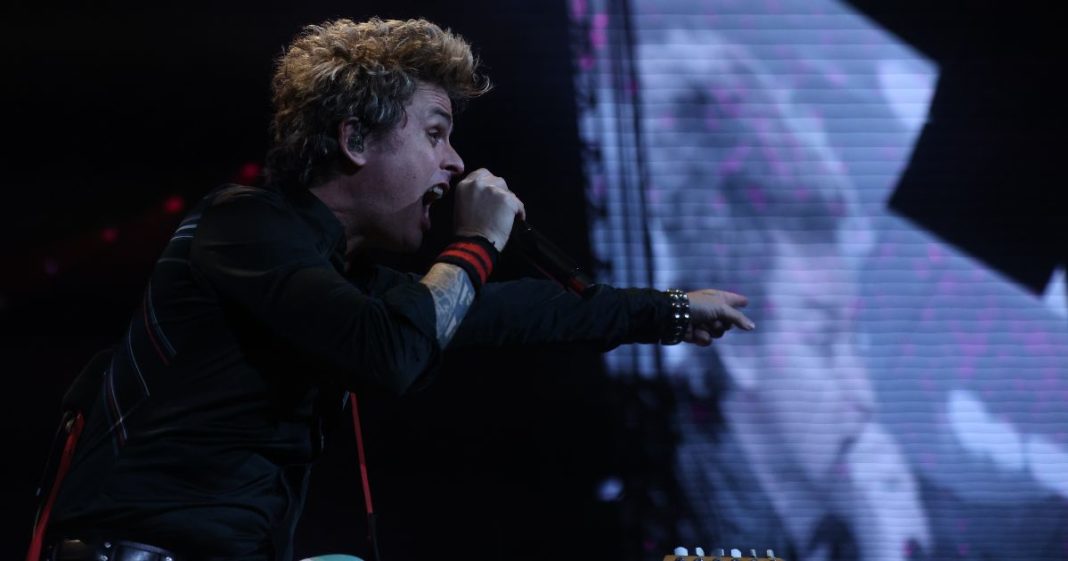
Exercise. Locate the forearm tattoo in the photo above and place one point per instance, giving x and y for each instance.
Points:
(453, 294)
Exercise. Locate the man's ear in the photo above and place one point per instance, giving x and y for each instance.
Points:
(351, 141)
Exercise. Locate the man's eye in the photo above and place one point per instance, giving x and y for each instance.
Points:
(435, 135)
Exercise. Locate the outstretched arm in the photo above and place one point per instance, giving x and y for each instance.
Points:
(533, 312)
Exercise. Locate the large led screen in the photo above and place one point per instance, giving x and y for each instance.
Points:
(899, 399)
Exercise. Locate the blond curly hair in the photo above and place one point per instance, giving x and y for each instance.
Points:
(367, 70)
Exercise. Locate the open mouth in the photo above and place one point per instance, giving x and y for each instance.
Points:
(433, 194)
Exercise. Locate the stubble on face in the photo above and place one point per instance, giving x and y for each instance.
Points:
(407, 169)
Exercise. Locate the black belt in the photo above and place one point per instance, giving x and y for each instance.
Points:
(108, 550)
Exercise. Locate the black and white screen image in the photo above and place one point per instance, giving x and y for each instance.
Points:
(899, 398)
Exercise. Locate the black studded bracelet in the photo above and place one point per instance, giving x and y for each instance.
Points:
(679, 319)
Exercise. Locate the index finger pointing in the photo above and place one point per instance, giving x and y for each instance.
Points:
(733, 299)
(739, 319)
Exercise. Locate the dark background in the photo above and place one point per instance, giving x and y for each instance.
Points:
(115, 108)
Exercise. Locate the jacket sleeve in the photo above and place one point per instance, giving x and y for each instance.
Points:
(534, 311)
(255, 253)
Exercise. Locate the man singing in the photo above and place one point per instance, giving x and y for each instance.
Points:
(196, 438)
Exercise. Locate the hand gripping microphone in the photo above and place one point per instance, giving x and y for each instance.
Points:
(545, 256)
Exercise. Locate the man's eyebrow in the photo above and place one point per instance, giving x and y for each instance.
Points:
(441, 113)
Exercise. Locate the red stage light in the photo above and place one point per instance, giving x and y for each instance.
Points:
(174, 204)
(249, 173)
(109, 235)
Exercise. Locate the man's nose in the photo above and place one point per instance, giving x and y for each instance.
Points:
(453, 162)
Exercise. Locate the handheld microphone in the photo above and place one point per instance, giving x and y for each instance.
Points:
(545, 256)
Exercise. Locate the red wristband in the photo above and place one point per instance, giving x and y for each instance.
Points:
(475, 255)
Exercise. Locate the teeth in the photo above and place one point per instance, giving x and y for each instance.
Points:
(436, 192)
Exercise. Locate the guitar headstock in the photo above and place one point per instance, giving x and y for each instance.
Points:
(720, 555)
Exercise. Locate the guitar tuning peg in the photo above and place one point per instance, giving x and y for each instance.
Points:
(770, 554)
(752, 554)
(736, 554)
(699, 551)
(681, 552)
(720, 552)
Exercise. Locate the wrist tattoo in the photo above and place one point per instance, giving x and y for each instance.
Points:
(453, 293)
